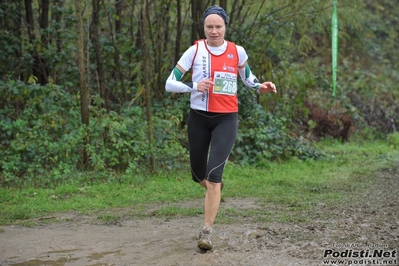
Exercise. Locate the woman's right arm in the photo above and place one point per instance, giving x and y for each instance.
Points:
(173, 83)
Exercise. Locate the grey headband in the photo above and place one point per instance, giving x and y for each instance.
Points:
(218, 11)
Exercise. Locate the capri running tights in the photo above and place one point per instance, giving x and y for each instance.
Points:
(211, 138)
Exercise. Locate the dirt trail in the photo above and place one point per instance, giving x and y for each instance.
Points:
(366, 220)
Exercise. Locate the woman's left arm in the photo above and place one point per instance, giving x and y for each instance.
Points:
(250, 80)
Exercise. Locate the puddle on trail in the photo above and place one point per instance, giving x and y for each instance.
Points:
(37, 262)
(97, 256)
(63, 260)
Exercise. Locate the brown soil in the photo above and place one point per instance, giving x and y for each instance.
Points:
(366, 219)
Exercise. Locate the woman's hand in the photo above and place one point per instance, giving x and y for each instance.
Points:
(204, 85)
(267, 87)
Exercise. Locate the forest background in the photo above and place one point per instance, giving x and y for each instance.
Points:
(82, 83)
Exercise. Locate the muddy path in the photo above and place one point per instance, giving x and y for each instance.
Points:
(367, 219)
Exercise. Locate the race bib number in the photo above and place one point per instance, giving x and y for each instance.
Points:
(225, 83)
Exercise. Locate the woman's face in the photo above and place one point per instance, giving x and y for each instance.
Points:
(214, 29)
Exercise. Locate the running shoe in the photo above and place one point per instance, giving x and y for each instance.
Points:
(205, 238)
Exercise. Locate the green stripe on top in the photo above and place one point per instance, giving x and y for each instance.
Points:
(247, 71)
(177, 73)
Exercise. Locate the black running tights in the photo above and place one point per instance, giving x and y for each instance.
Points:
(211, 137)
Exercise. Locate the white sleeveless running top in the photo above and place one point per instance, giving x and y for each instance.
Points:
(222, 67)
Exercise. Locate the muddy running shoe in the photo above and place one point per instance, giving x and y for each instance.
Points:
(205, 238)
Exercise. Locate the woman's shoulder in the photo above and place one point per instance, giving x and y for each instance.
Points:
(242, 54)
(186, 60)
(241, 51)
(239, 47)
(191, 50)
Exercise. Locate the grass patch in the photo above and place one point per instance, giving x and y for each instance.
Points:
(173, 211)
(292, 188)
(108, 219)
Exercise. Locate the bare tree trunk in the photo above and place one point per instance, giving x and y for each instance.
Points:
(31, 33)
(135, 76)
(119, 5)
(160, 43)
(197, 9)
(97, 50)
(223, 4)
(146, 79)
(39, 65)
(194, 22)
(58, 40)
(84, 95)
(11, 21)
(57, 17)
(44, 21)
(29, 20)
(178, 32)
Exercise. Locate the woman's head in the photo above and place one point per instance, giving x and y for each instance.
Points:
(215, 25)
(217, 10)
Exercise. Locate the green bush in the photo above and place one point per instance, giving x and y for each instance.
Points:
(42, 138)
(263, 136)
(40, 133)
(393, 139)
